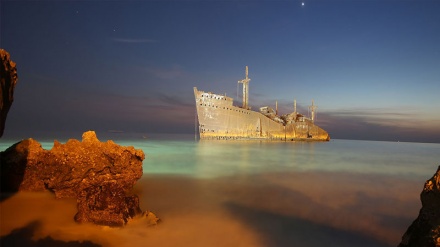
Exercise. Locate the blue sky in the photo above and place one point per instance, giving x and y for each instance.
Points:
(371, 66)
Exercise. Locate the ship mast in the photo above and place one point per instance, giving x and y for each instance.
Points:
(294, 106)
(246, 89)
(312, 110)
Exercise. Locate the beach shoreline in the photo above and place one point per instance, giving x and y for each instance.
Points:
(259, 210)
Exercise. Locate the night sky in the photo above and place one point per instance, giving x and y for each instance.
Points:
(371, 66)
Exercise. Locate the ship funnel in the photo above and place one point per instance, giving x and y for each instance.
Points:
(246, 89)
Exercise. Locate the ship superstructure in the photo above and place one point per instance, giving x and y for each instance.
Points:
(219, 118)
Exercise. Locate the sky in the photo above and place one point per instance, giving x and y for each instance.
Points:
(371, 66)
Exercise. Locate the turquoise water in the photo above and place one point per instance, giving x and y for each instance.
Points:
(220, 158)
(205, 159)
(337, 193)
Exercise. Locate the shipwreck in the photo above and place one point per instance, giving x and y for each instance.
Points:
(219, 119)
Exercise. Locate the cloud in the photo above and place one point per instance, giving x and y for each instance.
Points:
(391, 117)
(73, 106)
(177, 100)
(172, 72)
(385, 124)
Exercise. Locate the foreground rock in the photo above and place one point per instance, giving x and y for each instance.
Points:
(99, 175)
(8, 79)
(425, 230)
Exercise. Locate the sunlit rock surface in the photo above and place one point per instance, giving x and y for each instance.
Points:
(425, 230)
(8, 80)
(98, 174)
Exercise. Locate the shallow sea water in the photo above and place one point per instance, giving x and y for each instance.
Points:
(248, 193)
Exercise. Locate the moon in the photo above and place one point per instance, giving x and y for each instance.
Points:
(302, 4)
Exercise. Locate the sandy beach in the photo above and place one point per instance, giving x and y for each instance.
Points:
(275, 209)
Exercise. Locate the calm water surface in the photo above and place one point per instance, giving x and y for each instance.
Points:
(218, 193)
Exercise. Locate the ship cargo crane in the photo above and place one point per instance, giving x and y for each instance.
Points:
(312, 109)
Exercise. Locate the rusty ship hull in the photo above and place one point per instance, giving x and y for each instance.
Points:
(219, 119)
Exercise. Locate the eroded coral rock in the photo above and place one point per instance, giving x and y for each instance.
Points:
(106, 204)
(8, 80)
(151, 218)
(99, 174)
(19, 163)
(425, 230)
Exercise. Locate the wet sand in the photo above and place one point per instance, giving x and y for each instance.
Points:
(268, 209)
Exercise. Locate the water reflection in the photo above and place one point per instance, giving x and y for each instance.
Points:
(220, 158)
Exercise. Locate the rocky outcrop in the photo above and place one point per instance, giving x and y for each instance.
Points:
(425, 230)
(98, 174)
(8, 79)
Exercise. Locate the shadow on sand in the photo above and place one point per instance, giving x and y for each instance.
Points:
(280, 230)
(23, 237)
